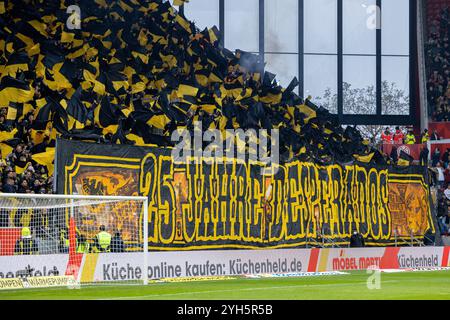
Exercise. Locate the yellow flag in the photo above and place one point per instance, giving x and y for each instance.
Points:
(11, 94)
(5, 135)
(12, 113)
(78, 53)
(91, 52)
(365, 159)
(27, 108)
(109, 129)
(121, 84)
(34, 50)
(46, 159)
(12, 70)
(10, 47)
(67, 37)
(98, 86)
(125, 7)
(141, 56)
(185, 90)
(62, 81)
(138, 141)
(310, 113)
(403, 163)
(202, 79)
(159, 122)
(209, 108)
(183, 23)
(5, 149)
(37, 136)
(271, 98)
(39, 26)
(27, 40)
(143, 40)
(138, 87)
(20, 170)
(102, 3)
(179, 2)
(212, 36)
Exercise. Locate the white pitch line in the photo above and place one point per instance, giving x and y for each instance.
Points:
(235, 290)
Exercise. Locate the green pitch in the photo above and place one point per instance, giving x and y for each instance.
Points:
(407, 285)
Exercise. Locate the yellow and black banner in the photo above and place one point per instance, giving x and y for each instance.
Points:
(234, 204)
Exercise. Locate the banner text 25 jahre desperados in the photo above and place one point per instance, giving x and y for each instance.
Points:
(233, 205)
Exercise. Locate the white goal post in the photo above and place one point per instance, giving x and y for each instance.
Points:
(47, 240)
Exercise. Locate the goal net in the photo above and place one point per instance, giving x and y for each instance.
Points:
(48, 240)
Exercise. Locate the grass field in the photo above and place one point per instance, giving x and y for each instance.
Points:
(353, 286)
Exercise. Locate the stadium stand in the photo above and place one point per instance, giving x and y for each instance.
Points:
(116, 82)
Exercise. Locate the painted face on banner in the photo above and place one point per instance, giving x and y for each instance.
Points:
(112, 182)
(409, 208)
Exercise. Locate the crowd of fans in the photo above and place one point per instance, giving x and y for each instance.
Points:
(438, 84)
(443, 212)
(438, 67)
(398, 136)
(19, 172)
(439, 168)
